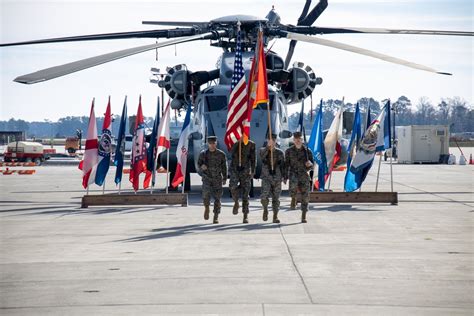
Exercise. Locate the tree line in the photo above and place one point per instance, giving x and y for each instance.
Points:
(455, 112)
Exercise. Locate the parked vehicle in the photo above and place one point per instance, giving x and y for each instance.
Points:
(72, 144)
(23, 151)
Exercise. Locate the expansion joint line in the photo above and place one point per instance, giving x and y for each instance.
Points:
(294, 265)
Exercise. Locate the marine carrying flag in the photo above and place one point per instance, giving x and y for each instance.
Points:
(257, 86)
(120, 149)
(139, 158)
(376, 138)
(105, 147)
(237, 109)
(151, 151)
(316, 145)
(182, 150)
(88, 164)
(351, 182)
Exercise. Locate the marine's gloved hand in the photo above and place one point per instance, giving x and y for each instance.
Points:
(308, 164)
(224, 181)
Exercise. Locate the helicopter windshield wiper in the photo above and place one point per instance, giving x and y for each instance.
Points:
(58, 71)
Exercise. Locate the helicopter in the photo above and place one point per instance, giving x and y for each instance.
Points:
(288, 83)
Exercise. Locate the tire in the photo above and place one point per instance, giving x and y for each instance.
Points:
(38, 161)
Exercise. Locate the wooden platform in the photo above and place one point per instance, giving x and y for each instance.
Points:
(354, 197)
(142, 198)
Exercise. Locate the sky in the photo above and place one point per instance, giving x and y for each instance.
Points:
(345, 74)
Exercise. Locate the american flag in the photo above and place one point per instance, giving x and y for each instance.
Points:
(237, 109)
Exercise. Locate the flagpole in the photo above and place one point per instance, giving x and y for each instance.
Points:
(167, 169)
(329, 182)
(391, 172)
(120, 186)
(270, 134)
(378, 173)
(312, 178)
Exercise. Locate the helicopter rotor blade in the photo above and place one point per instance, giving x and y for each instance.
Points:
(178, 32)
(311, 30)
(176, 23)
(358, 50)
(58, 71)
(306, 19)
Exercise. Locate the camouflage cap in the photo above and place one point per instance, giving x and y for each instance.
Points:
(274, 136)
(297, 135)
(211, 139)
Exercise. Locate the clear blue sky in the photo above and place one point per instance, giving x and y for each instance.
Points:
(344, 74)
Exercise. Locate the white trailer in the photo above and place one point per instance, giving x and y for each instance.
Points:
(422, 143)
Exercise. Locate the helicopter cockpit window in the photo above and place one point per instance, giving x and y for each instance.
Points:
(263, 106)
(216, 103)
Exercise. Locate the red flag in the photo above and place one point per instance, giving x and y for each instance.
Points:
(163, 138)
(258, 85)
(89, 161)
(182, 151)
(139, 153)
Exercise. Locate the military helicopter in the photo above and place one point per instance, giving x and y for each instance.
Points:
(288, 83)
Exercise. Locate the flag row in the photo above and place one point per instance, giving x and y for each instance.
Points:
(98, 151)
(366, 140)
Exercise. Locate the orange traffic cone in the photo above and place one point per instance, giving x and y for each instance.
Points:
(471, 162)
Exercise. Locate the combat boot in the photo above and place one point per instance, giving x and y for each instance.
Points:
(246, 218)
(216, 218)
(275, 217)
(235, 210)
(206, 212)
(265, 213)
(303, 216)
(293, 203)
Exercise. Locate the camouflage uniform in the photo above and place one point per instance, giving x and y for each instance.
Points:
(271, 181)
(297, 173)
(242, 174)
(213, 177)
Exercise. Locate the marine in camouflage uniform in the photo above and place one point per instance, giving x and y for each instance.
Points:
(242, 173)
(212, 167)
(271, 177)
(298, 161)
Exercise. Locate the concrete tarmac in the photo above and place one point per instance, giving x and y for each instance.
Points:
(361, 259)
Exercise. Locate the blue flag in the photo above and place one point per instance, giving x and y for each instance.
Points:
(120, 149)
(105, 147)
(350, 182)
(316, 145)
(361, 175)
(151, 151)
(376, 138)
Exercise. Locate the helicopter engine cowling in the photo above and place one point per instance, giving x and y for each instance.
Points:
(301, 83)
(176, 84)
(179, 83)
